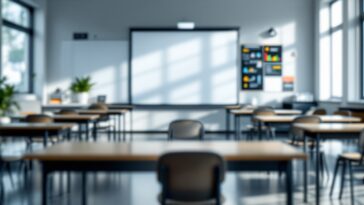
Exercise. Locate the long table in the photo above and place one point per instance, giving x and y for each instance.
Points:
(143, 156)
(319, 132)
(111, 112)
(249, 112)
(35, 130)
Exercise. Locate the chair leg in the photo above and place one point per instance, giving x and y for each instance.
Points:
(351, 183)
(334, 177)
(8, 169)
(342, 179)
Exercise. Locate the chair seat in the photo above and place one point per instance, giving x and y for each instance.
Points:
(301, 143)
(207, 202)
(352, 156)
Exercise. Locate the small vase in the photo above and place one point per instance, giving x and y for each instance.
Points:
(82, 98)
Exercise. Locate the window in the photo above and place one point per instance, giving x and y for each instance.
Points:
(17, 44)
(362, 46)
(331, 51)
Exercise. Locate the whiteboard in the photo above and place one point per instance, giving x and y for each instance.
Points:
(106, 62)
(177, 67)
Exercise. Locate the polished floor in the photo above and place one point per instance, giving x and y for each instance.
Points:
(142, 188)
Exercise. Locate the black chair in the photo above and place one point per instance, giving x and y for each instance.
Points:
(67, 112)
(346, 113)
(186, 130)
(317, 111)
(254, 126)
(191, 178)
(297, 138)
(348, 160)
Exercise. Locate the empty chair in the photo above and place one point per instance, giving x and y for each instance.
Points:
(191, 178)
(348, 160)
(317, 111)
(186, 130)
(104, 122)
(298, 137)
(346, 113)
(253, 128)
(67, 112)
(38, 118)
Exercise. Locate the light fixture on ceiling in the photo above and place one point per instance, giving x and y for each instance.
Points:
(272, 32)
(187, 25)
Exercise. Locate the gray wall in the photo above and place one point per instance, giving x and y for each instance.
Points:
(110, 20)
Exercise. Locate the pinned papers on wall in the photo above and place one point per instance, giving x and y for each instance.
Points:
(252, 67)
(288, 83)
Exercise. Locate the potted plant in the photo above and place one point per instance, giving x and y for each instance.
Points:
(7, 103)
(81, 87)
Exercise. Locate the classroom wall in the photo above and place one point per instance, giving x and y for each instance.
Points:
(111, 19)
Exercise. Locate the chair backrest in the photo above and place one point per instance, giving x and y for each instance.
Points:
(263, 111)
(297, 134)
(186, 130)
(343, 113)
(191, 176)
(317, 111)
(98, 106)
(38, 119)
(361, 146)
(67, 112)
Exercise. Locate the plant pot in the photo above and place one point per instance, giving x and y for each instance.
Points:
(81, 98)
(5, 120)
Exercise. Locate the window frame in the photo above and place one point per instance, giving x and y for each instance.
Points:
(29, 31)
(361, 52)
(331, 31)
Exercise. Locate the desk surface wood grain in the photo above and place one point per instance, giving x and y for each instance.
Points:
(151, 151)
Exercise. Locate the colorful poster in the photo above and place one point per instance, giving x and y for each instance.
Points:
(288, 83)
(272, 60)
(252, 67)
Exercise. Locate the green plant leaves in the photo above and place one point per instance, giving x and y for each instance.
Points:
(7, 104)
(81, 84)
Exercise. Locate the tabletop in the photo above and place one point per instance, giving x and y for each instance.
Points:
(151, 151)
(331, 127)
(277, 111)
(290, 118)
(35, 126)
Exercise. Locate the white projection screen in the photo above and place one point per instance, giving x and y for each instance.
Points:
(184, 67)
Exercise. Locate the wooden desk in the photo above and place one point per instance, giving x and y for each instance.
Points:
(143, 156)
(325, 131)
(249, 112)
(111, 112)
(35, 130)
(80, 120)
(284, 120)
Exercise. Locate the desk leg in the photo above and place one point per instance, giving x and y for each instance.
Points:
(227, 126)
(131, 125)
(124, 127)
(44, 185)
(237, 127)
(289, 183)
(119, 126)
(87, 132)
(318, 169)
(84, 187)
(260, 136)
(45, 140)
(305, 170)
(80, 132)
(94, 130)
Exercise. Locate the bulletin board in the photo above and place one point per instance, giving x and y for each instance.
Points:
(262, 69)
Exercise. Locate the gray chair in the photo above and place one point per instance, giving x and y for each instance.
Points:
(317, 111)
(104, 122)
(186, 130)
(298, 138)
(253, 128)
(191, 178)
(67, 112)
(348, 160)
(346, 113)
